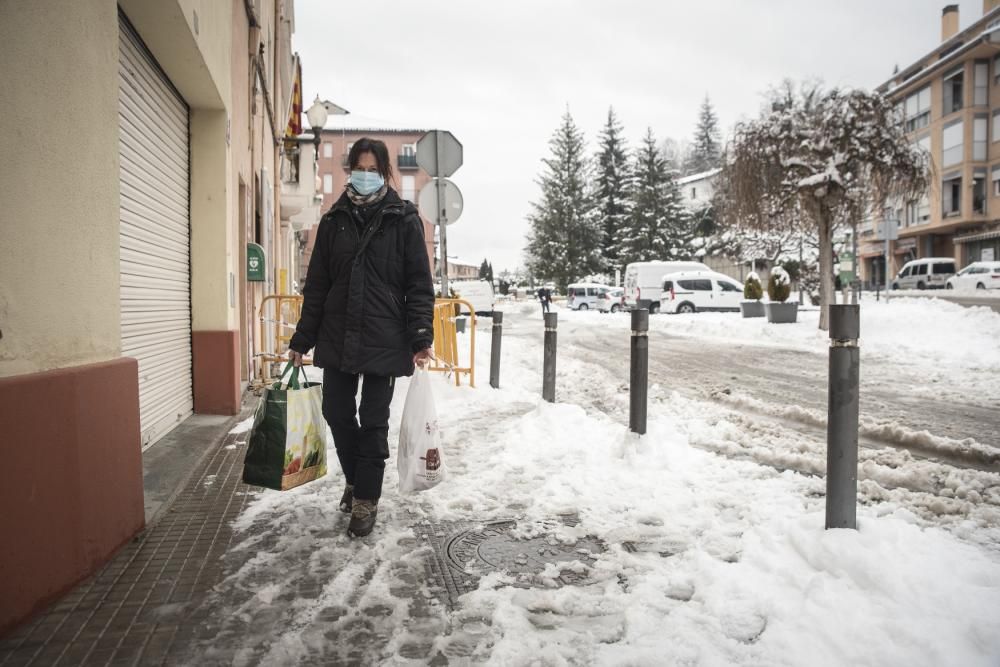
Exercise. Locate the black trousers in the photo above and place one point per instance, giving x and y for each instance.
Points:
(362, 448)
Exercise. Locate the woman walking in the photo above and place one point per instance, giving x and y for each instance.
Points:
(367, 308)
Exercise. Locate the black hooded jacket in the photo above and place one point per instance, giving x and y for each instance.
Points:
(367, 312)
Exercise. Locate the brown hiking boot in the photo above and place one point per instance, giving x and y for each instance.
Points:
(346, 499)
(363, 513)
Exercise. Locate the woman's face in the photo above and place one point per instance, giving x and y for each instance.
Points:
(367, 162)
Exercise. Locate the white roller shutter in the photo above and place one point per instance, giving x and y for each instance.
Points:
(155, 237)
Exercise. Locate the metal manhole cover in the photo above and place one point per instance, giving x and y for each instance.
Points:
(491, 548)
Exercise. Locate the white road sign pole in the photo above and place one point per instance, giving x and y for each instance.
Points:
(441, 222)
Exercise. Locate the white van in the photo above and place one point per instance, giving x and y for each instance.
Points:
(479, 293)
(644, 282)
(926, 273)
(691, 291)
(584, 296)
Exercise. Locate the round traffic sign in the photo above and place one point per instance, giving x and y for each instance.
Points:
(451, 201)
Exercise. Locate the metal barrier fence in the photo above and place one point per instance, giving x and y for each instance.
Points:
(446, 340)
(278, 315)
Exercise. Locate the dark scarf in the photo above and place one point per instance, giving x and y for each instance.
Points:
(364, 201)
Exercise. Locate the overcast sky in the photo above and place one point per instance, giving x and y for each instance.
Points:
(499, 75)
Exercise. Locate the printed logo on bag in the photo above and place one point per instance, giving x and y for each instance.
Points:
(432, 460)
(431, 427)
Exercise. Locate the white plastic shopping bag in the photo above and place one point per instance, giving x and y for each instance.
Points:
(419, 458)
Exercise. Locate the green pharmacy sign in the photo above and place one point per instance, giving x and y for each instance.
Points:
(255, 263)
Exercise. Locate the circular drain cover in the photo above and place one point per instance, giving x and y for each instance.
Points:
(491, 548)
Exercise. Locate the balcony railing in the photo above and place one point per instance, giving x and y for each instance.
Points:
(407, 161)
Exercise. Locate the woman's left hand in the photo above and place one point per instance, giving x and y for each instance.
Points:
(424, 357)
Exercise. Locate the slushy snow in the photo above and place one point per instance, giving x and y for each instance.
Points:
(708, 560)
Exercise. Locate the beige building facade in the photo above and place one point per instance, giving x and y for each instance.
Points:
(124, 300)
(949, 101)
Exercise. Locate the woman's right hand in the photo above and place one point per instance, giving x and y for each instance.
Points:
(295, 358)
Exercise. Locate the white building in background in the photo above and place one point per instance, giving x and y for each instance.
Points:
(698, 189)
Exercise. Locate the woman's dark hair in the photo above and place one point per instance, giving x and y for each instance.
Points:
(376, 148)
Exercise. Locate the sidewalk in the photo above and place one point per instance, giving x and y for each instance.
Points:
(176, 595)
(144, 606)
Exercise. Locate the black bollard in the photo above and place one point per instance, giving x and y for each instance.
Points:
(549, 358)
(639, 371)
(842, 418)
(495, 349)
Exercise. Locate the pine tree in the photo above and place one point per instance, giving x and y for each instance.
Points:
(658, 227)
(707, 148)
(565, 237)
(484, 270)
(614, 181)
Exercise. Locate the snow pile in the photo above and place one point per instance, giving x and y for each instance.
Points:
(780, 276)
(706, 560)
(927, 332)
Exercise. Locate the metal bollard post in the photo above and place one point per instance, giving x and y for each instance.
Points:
(638, 377)
(495, 349)
(549, 358)
(842, 418)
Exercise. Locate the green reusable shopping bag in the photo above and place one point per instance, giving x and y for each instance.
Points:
(287, 445)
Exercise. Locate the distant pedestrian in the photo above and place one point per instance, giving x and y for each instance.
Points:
(545, 296)
(367, 308)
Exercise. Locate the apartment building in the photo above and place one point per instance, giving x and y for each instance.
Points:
(949, 101)
(342, 129)
(125, 300)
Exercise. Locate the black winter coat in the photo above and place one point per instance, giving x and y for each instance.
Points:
(367, 313)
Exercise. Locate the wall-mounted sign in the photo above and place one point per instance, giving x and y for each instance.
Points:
(256, 271)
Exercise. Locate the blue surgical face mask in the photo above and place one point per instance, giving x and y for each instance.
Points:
(366, 182)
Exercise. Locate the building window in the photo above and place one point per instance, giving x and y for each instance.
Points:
(979, 138)
(951, 196)
(327, 184)
(408, 149)
(979, 193)
(996, 181)
(996, 125)
(953, 136)
(996, 69)
(953, 87)
(694, 193)
(981, 92)
(409, 188)
(327, 149)
(918, 109)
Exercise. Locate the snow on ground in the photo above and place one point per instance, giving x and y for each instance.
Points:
(922, 331)
(709, 560)
(951, 342)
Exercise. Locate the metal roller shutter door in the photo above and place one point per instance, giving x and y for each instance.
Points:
(155, 237)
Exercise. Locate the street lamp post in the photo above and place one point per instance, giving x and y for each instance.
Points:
(317, 120)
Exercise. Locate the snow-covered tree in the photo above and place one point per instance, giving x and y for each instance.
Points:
(676, 154)
(565, 236)
(486, 271)
(707, 147)
(820, 157)
(658, 227)
(614, 180)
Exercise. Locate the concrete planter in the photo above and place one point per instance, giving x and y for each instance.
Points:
(782, 312)
(752, 308)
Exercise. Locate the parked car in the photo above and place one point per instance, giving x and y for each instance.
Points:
(611, 300)
(691, 291)
(583, 296)
(644, 282)
(978, 275)
(926, 273)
